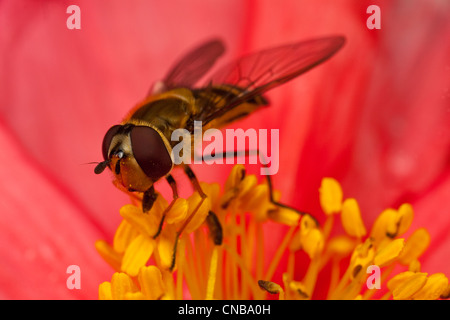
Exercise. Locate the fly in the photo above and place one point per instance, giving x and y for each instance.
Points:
(139, 150)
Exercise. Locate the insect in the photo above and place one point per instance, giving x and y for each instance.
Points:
(139, 150)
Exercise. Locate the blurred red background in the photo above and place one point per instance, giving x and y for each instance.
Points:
(376, 117)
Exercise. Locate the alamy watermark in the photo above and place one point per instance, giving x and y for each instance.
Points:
(74, 20)
(219, 145)
(74, 280)
(374, 280)
(374, 20)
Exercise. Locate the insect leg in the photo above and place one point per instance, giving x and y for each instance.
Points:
(197, 188)
(173, 186)
(149, 199)
(247, 153)
(194, 181)
(212, 220)
(215, 228)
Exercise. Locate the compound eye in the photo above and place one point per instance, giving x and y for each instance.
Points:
(108, 138)
(150, 152)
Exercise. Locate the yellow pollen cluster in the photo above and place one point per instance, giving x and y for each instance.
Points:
(237, 268)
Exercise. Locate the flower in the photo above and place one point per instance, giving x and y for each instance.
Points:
(375, 117)
(149, 267)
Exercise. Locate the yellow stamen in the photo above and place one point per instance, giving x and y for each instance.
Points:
(392, 223)
(446, 293)
(144, 223)
(416, 244)
(259, 252)
(271, 287)
(121, 284)
(351, 219)
(150, 279)
(313, 242)
(165, 246)
(112, 257)
(311, 238)
(246, 274)
(212, 275)
(257, 201)
(330, 196)
(137, 254)
(201, 209)
(192, 276)
(434, 287)
(272, 268)
(340, 246)
(248, 223)
(310, 279)
(178, 212)
(299, 290)
(104, 291)
(404, 219)
(181, 272)
(284, 216)
(414, 266)
(361, 258)
(406, 284)
(389, 253)
(124, 235)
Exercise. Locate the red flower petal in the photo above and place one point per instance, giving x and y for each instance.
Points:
(42, 233)
(374, 117)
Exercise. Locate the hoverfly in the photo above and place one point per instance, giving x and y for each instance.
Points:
(139, 150)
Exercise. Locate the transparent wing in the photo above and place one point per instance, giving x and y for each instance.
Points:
(194, 65)
(264, 70)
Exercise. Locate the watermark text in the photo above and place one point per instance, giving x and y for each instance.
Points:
(255, 142)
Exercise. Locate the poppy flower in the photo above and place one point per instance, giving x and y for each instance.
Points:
(374, 118)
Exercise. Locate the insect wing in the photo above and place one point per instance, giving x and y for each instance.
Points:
(264, 70)
(193, 66)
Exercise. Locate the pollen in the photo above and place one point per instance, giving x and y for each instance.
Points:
(331, 196)
(178, 212)
(406, 284)
(415, 246)
(137, 254)
(389, 253)
(262, 244)
(351, 219)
